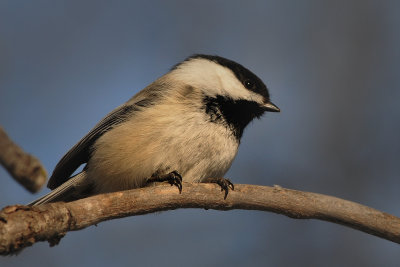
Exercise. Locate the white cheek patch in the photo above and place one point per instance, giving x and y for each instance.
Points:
(199, 73)
(214, 79)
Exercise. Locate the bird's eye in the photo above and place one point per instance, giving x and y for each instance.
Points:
(249, 84)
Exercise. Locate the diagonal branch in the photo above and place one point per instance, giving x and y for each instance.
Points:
(22, 226)
(25, 168)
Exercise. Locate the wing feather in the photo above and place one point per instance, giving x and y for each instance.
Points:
(80, 153)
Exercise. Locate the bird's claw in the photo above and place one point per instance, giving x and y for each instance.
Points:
(224, 183)
(174, 178)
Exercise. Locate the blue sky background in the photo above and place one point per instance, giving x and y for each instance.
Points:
(331, 66)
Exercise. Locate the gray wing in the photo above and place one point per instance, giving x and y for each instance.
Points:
(80, 153)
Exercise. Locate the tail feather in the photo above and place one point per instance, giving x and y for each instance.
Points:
(64, 191)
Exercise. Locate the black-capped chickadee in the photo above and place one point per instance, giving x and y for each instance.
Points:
(185, 125)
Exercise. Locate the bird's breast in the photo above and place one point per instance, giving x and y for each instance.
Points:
(161, 140)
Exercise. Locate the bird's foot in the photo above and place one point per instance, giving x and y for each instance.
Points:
(225, 184)
(173, 178)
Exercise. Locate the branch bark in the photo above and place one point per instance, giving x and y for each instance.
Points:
(23, 167)
(22, 226)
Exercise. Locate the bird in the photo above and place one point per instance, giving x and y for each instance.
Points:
(184, 126)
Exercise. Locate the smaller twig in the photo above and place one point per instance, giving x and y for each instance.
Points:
(23, 167)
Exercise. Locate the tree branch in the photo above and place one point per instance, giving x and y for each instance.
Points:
(25, 168)
(22, 226)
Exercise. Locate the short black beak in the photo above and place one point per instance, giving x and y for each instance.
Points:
(269, 106)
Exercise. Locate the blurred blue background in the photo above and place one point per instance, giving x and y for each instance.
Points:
(331, 66)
